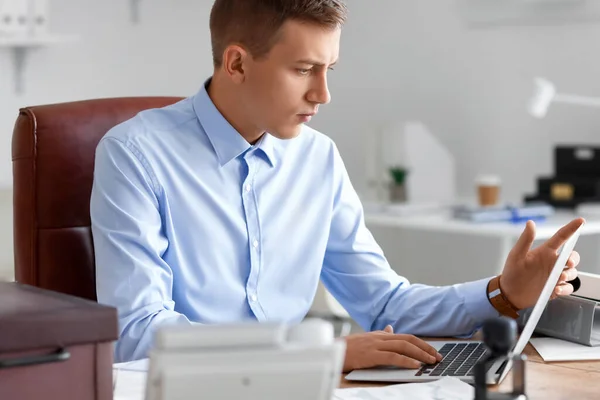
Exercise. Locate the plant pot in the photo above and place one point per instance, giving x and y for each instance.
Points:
(397, 193)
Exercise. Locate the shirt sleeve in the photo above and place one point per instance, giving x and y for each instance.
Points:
(358, 275)
(129, 243)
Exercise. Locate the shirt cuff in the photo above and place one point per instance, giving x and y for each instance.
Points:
(475, 299)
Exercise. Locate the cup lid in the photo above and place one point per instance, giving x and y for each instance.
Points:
(488, 180)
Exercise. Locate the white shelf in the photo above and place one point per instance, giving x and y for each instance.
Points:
(38, 41)
(19, 46)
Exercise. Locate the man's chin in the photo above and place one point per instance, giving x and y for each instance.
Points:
(286, 134)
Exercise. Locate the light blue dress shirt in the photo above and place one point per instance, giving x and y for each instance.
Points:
(192, 224)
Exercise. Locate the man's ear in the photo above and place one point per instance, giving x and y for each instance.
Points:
(234, 62)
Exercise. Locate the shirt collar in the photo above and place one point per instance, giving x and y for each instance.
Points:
(225, 139)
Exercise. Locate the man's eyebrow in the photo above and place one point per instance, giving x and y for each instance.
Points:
(315, 63)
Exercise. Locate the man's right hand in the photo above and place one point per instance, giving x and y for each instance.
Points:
(379, 348)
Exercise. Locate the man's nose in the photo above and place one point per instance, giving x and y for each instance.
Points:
(320, 92)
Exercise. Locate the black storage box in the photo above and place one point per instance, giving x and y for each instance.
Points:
(576, 178)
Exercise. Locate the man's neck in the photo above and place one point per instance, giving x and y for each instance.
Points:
(220, 92)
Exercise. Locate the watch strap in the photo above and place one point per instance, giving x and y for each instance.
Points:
(499, 300)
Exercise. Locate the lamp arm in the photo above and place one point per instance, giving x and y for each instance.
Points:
(576, 99)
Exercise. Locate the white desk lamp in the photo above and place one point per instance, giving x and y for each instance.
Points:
(545, 93)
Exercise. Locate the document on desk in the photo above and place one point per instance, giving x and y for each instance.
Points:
(139, 365)
(552, 349)
(447, 388)
(129, 380)
(130, 384)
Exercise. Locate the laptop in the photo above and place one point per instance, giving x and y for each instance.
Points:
(460, 358)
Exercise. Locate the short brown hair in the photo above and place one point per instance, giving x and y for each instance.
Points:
(255, 24)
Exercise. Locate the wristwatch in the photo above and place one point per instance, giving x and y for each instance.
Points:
(499, 300)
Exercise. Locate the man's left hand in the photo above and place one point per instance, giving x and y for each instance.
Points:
(526, 271)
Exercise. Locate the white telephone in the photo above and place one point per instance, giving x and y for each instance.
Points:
(246, 361)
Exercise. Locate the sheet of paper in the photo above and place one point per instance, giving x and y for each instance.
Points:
(129, 385)
(139, 365)
(552, 349)
(444, 389)
(129, 380)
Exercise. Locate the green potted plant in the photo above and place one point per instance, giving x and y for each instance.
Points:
(398, 184)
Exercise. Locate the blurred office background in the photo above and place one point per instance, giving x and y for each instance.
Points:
(401, 60)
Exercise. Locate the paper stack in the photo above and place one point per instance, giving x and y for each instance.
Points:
(514, 214)
(446, 388)
(553, 349)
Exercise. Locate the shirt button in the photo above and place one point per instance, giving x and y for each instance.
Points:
(255, 244)
(253, 297)
(247, 188)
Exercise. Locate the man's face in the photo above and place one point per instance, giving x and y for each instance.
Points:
(284, 89)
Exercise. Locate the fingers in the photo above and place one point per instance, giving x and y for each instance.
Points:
(573, 260)
(564, 289)
(414, 341)
(408, 349)
(564, 233)
(568, 275)
(570, 272)
(389, 329)
(395, 359)
(525, 241)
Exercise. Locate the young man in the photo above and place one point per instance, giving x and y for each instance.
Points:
(225, 207)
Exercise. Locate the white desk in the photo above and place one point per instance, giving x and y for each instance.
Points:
(443, 222)
(436, 249)
(549, 381)
(439, 250)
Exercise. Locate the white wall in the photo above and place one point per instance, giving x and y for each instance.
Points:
(405, 60)
(168, 53)
(400, 60)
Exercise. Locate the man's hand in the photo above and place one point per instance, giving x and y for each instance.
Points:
(526, 271)
(372, 349)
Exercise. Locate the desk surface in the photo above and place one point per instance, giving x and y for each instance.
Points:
(545, 381)
(443, 222)
(548, 381)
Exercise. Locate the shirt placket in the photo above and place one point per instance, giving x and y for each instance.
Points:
(254, 236)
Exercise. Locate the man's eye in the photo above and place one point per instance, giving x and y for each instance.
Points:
(303, 71)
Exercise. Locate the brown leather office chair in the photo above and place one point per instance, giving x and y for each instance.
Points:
(53, 149)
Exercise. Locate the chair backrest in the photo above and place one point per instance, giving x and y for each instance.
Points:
(53, 150)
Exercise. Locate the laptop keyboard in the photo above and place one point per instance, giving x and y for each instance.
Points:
(459, 359)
